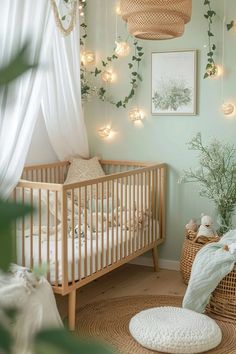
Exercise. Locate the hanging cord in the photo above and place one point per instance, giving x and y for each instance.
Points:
(72, 14)
(223, 53)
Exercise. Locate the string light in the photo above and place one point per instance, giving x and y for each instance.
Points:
(118, 10)
(88, 57)
(136, 114)
(122, 49)
(104, 132)
(228, 108)
(108, 76)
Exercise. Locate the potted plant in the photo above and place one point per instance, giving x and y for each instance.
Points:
(216, 176)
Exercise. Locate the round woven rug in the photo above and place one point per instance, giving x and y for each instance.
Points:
(108, 321)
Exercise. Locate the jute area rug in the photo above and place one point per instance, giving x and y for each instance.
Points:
(108, 321)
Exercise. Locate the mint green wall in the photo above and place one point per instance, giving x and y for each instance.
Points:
(164, 138)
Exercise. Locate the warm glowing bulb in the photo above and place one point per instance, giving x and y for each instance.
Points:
(108, 76)
(228, 108)
(104, 132)
(118, 10)
(136, 114)
(122, 49)
(88, 57)
(215, 71)
(81, 14)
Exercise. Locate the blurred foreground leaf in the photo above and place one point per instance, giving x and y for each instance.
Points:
(59, 341)
(17, 66)
(9, 212)
(6, 340)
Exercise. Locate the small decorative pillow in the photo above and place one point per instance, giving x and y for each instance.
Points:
(83, 170)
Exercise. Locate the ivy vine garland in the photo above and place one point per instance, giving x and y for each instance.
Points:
(87, 88)
(211, 67)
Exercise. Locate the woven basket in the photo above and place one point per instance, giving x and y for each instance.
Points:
(189, 252)
(223, 300)
(156, 19)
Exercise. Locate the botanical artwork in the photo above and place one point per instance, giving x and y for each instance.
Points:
(173, 83)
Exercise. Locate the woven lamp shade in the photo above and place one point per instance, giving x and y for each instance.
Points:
(156, 19)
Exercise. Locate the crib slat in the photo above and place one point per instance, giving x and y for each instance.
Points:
(79, 234)
(135, 218)
(126, 240)
(91, 229)
(153, 205)
(149, 206)
(121, 217)
(31, 230)
(85, 232)
(40, 227)
(48, 235)
(107, 225)
(112, 223)
(73, 235)
(23, 229)
(96, 197)
(142, 233)
(102, 222)
(56, 238)
(117, 219)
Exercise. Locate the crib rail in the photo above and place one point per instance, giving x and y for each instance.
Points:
(85, 229)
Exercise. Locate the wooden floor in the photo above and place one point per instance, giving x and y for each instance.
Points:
(127, 280)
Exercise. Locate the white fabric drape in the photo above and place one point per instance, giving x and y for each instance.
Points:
(61, 103)
(19, 104)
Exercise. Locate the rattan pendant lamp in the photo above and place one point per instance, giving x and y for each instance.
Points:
(156, 19)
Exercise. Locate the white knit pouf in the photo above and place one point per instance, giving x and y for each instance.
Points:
(175, 330)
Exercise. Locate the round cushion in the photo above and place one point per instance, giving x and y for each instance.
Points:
(175, 330)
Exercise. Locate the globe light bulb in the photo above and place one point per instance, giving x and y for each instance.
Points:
(107, 76)
(104, 132)
(118, 10)
(88, 57)
(122, 49)
(228, 108)
(136, 114)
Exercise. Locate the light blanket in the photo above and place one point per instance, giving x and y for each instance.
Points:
(210, 266)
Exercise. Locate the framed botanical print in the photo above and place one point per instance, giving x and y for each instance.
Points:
(174, 83)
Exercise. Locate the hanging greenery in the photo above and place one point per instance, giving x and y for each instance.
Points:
(87, 76)
(211, 67)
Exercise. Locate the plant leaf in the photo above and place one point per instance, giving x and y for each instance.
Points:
(60, 341)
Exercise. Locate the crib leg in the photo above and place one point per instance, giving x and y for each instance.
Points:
(155, 259)
(72, 310)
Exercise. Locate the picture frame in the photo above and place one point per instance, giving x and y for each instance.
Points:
(174, 83)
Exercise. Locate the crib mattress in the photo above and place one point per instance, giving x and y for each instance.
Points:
(88, 256)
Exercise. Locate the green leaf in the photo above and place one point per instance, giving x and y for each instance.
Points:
(118, 104)
(104, 63)
(140, 54)
(130, 65)
(207, 2)
(60, 341)
(18, 65)
(97, 72)
(230, 25)
(6, 340)
(139, 48)
(63, 18)
(213, 47)
(9, 212)
(134, 73)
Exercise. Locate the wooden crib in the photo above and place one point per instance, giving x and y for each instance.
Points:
(84, 230)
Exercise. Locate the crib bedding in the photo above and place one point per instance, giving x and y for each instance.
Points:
(89, 256)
